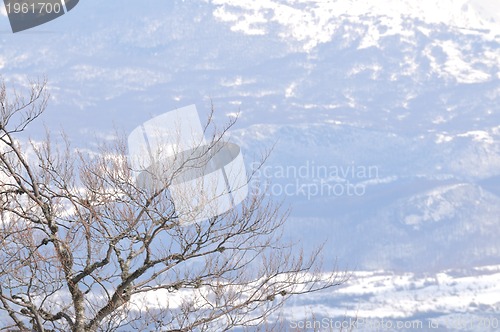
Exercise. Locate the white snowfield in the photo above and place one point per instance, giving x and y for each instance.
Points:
(375, 300)
(306, 24)
(315, 21)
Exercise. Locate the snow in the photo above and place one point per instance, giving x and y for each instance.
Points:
(461, 67)
(443, 138)
(309, 23)
(479, 136)
(313, 22)
(379, 295)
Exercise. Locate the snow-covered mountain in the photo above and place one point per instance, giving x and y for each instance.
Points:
(438, 67)
(396, 99)
(452, 300)
(313, 22)
(414, 204)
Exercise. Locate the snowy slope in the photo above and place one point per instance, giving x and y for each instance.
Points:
(127, 58)
(452, 300)
(426, 199)
(312, 22)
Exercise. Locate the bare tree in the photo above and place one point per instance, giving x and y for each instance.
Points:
(85, 248)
